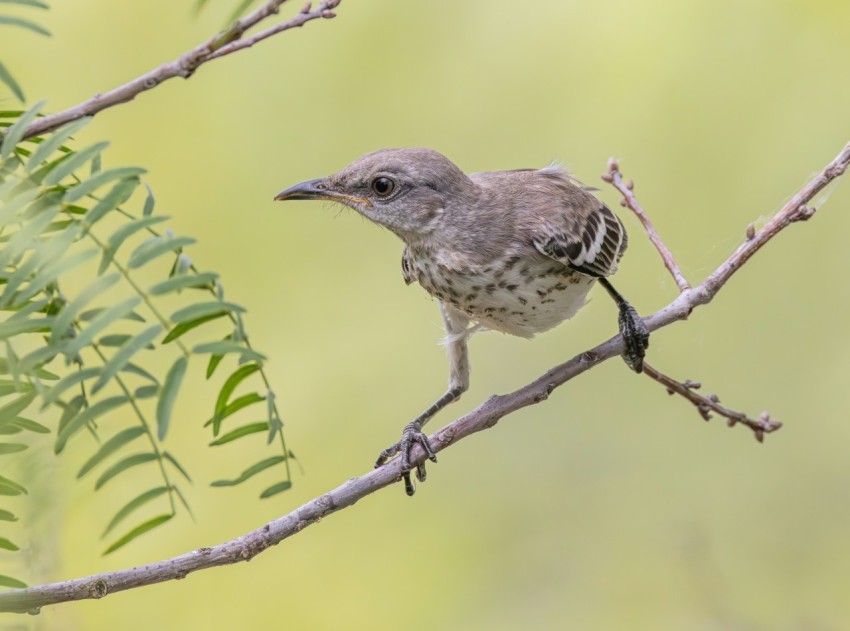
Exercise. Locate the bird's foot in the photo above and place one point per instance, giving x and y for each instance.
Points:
(410, 437)
(636, 336)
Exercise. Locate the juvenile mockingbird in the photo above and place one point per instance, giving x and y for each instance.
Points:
(512, 251)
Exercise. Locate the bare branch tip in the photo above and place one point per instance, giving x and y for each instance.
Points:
(613, 165)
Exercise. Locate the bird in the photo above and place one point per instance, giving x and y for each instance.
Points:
(514, 251)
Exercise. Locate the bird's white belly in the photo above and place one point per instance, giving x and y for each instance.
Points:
(518, 297)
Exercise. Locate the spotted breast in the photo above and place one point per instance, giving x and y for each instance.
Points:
(520, 296)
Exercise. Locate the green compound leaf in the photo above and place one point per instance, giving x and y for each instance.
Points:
(17, 424)
(251, 471)
(29, 3)
(104, 177)
(16, 131)
(124, 354)
(13, 408)
(10, 487)
(185, 327)
(234, 406)
(156, 247)
(146, 392)
(150, 202)
(177, 465)
(71, 162)
(54, 142)
(239, 432)
(274, 489)
(9, 81)
(132, 505)
(110, 447)
(49, 273)
(202, 309)
(122, 465)
(116, 196)
(116, 339)
(117, 238)
(70, 311)
(12, 448)
(99, 323)
(8, 581)
(76, 423)
(203, 280)
(140, 372)
(139, 530)
(68, 381)
(232, 383)
(10, 327)
(165, 404)
(21, 22)
(91, 314)
(223, 348)
(7, 516)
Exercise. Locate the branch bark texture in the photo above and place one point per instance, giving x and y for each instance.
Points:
(483, 417)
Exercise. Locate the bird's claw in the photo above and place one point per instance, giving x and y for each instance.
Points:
(410, 437)
(636, 336)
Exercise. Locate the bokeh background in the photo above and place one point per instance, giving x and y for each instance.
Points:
(611, 505)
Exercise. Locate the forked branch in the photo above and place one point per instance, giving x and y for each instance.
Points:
(704, 404)
(184, 66)
(614, 177)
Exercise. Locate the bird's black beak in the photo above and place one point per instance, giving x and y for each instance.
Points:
(319, 189)
(311, 189)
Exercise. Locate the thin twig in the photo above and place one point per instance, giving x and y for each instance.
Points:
(483, 417)
(324, 11)
(222, 44)
(629, 200)
(711, 403)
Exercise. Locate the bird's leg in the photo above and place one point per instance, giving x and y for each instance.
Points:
(456, 324)
(634, 331)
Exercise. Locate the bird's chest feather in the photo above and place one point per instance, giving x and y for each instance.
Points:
(514, 295)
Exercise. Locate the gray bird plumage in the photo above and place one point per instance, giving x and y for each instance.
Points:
(513, 251)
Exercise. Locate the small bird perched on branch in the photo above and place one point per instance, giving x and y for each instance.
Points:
(512, 251)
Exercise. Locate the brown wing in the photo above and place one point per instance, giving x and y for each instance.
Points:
(587, 236)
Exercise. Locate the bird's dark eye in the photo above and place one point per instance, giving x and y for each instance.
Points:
(383, 186)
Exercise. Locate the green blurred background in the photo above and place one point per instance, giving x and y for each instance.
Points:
(611, 505)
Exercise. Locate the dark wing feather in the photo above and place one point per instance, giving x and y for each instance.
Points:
(407, 267)
(585, 235)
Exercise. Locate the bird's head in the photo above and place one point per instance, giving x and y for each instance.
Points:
(406, 190)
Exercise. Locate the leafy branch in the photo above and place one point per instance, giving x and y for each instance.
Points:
(85, 355)
(95, 344)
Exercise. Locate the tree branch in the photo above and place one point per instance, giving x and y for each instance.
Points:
(222, 44)
(711, 403)
(629, 201)
(704, 404)
(483, 417)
